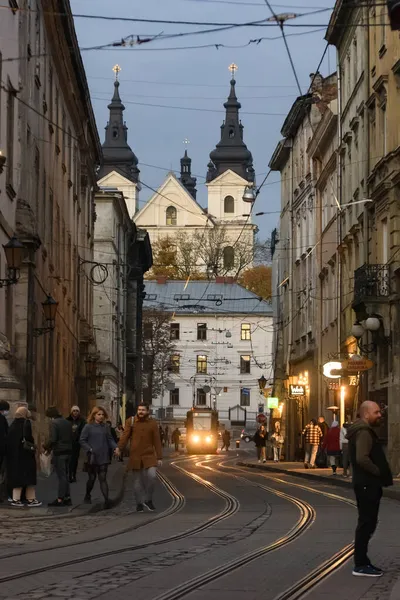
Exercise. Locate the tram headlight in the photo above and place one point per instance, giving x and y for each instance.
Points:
(195, 439)
(209, 439)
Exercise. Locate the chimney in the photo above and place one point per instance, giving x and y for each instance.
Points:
(161, 280)
(229, 280)
(220, 280)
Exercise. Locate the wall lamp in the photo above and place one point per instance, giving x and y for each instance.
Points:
(49, 310)
(14, 252)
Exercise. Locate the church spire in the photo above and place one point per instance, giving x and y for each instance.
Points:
(117, 154)
(231, 152)
(186, 178)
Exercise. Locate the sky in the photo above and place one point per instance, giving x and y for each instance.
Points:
(156, 76)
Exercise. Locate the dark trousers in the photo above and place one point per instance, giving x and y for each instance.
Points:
(73, 462)
(368, 500)
(176, 446)
(61, 464)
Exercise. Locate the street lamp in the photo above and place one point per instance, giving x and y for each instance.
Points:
(249, 194)
(50, 311)
(262, 382)
(99, 380)
(14, 252)
(372, 324)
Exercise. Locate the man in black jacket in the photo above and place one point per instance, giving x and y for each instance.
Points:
(60, 443)
(77, 423)
(4, 408)
(371, 472)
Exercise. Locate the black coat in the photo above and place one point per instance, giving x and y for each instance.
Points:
(3, 434)
(21, 464)
(259, 440)
(77, 428)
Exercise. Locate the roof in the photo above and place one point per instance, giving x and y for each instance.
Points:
(204, 297)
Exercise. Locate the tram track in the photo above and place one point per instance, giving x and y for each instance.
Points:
(231, 507)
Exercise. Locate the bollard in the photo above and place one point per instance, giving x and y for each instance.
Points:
(237, 444)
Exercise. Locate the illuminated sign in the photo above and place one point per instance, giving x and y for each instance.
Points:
(330, 368)
(273, 402)
(357, 363)
(297, 390)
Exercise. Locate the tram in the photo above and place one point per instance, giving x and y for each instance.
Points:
(202, 431)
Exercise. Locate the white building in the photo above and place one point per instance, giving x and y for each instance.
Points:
(223, 340)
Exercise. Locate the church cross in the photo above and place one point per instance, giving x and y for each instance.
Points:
(117, 69)
(233, 68)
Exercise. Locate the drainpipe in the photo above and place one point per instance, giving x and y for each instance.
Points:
(290, 412)
(340, 200)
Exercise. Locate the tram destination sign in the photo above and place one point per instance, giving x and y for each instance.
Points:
(297, 390)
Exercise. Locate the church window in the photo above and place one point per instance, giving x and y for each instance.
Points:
(171, 215)
(115, 134)
(229, 204)
(231, 133)
(229, 257)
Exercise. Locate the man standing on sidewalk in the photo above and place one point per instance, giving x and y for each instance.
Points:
(144, 456)
(371, 472)
(60, 443)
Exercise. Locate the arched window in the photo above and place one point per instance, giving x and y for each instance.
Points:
(170, 215)
(229, 257)
(229, 204)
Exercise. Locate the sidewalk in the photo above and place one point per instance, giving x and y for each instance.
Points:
(46, 491)
(297, 470)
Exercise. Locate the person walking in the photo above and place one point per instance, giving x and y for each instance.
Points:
(161, 433)
(344, 446)
(4, 408)
(226, 440)
(260, 440)
(371, 472)
(331, 443)
(324, 427)
(77, 423)
(312, 436)
(21, 459)
(175, 438)
(166, 433)
(60, 444)
(277, 443)
(145, 455)
(96, 440)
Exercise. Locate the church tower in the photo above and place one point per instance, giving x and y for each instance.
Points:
(119, 165)
(186, 178)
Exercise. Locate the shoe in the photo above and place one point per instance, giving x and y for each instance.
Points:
(139, 508)
(259, 461)
(33, 503)
(149, 504)
(306, 465)
(56, 502)
(377, 569)
(367, 571)
(67, 501)
(264, 461)
(87, 499)
(17, 503)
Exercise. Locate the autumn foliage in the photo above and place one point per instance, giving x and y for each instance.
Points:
(257, 280)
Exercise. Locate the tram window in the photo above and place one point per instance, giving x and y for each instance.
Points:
(245, 363)
(202, 422)
(174, 397)
(201, 401)
(244, 397)
(201, 331)
(174, 331)
(201, 363)
(246, 332)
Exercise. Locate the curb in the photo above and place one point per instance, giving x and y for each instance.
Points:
(387, 492)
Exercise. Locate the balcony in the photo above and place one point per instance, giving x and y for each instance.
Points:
(371, 284)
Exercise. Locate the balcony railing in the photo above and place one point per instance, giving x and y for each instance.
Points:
(371, 283)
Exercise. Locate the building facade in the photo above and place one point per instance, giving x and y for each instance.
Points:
(223, 341)
(51, 185)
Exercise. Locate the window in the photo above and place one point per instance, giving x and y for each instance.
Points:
(245, 363)
(384, 244)
(175, 363)
(147, 330)
(170, 215)
(229, 257)
(201, 331)
(201, 363)
(174, 331)
(244, 397)
(174, 397)
(10, 138)
(201, 397)
(229, 204)
(246, 332)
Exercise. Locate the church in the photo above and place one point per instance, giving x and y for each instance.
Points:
(173, 208)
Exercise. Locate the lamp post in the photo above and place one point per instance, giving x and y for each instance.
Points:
(50, 307)
(372, 324)
(99, 381)
(14, 252)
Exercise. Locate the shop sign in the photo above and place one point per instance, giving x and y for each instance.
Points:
(272, 402)
(353, 380)
(357, 363)
(331, 369)
(297, 390)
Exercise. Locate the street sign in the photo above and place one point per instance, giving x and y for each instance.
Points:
(297, 390)
(261, 418)
(356, 364)
(273, 402)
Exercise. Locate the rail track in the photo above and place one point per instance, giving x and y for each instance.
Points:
(231, 507)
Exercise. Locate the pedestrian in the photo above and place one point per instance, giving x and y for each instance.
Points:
(161, 432)
(260, 440)
(312, 436)
(166, 433)
(324, 427)
(144, 456)
(277, 442)
(344, 446)
(371, 472)
(226, 440)
(4, 408)
(175, 438)
(114, 437)
(96, 440)
(78, 423)
(60, 443)
(21, 459)
(331, 443)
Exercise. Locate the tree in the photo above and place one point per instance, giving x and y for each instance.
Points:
(258, 280)
(157, 348)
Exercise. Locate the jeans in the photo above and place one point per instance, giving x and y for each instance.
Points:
(144, 481)
(311, 453)
(277, 454)
(61, 464)
(368, 500)
(73, 462)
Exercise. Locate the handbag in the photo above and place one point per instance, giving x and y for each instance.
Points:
(26, 444)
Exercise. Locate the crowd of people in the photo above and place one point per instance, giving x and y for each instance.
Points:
(326, 445)
(67, 437)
